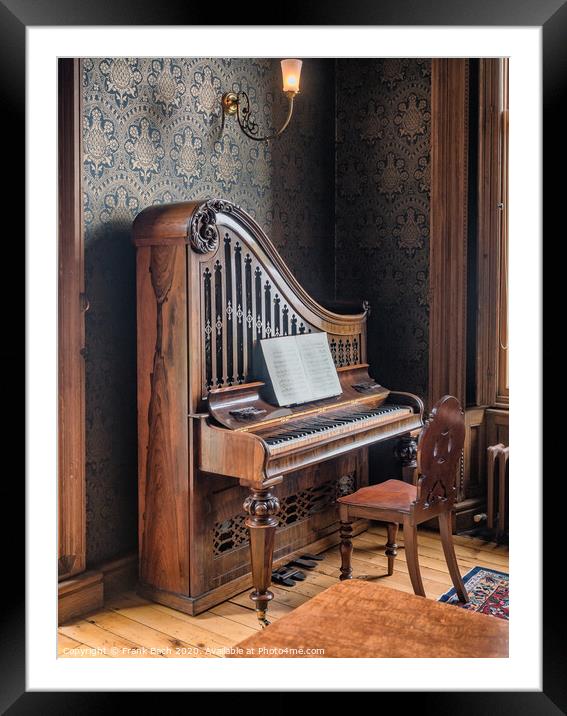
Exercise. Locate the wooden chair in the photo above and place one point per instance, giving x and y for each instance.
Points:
(394, 501)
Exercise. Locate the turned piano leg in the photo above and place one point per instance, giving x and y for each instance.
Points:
(262, 508)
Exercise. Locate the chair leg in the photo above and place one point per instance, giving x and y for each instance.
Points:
(450, 557)
(410, 544)
(346, 550)
(391, 546)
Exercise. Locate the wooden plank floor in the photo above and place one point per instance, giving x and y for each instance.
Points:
(130, 626)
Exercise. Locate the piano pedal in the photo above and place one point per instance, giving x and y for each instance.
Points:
(316, 557)
(305, 563)
(282, 576)
(284, 582)
(287, 576)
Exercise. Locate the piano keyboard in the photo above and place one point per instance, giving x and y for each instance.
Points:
(329, 424)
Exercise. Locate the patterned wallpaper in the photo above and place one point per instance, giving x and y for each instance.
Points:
(151, 134)
(382, 209)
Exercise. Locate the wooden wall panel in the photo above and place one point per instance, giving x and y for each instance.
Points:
(497, 427)
(71, 330)
(472, 483)
(162, 418)
(448, 228)
(80, 595)
(489, 216)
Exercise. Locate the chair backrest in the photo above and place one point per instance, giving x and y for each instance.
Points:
(439, 450)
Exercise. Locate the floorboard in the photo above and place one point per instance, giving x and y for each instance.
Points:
(130, 626)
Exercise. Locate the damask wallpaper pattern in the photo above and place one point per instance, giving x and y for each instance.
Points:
(382, 209)
(152, 134)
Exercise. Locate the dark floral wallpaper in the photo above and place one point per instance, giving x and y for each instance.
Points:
(152, 134)
(382, 209)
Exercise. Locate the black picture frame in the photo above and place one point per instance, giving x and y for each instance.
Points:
(15, 16)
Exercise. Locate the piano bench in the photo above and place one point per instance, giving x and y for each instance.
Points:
(361, 619)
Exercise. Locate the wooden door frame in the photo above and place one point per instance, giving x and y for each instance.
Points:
(448, 262)
(491, 221)
(71, 328)
(448, 229)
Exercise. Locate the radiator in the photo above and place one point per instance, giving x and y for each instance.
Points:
(497, 488)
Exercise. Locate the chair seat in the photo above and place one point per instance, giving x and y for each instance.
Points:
(393, 495)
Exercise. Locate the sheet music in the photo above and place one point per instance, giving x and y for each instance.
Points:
(318, 365)
(300, 368)
(285, 369)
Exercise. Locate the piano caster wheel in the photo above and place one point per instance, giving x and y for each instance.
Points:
(264, 621)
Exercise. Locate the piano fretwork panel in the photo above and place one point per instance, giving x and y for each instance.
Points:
(307, 514)
(227, 480)
(241, 303)
(232, 533)
(345, 350)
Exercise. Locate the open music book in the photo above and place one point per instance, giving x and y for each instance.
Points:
(297, 369)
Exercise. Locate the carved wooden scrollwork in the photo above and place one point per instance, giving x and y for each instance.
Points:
(261, 504)
(438, 491)
(406, 451)
(439, 453)
(203, 231)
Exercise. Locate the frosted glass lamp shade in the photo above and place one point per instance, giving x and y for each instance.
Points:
(291, 72)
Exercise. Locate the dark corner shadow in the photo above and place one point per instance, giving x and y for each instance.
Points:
(110, 368)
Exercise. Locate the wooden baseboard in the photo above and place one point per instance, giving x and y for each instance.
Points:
(80, 595)
(465, 511)
(86, 592)
(463, 516)
(120, 575)
(197, 605)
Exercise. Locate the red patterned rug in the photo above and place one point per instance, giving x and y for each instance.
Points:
(487, 590)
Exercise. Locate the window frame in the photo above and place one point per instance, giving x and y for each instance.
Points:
(491, 385)
(502, 385)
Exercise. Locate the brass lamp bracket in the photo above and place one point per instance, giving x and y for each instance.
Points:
(238, 104)
(230, 103)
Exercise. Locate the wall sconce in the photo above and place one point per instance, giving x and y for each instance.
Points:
(239, 104)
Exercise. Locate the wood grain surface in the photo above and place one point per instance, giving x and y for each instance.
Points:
(361, 619)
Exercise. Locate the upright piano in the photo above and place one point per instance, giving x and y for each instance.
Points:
(229, 484)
